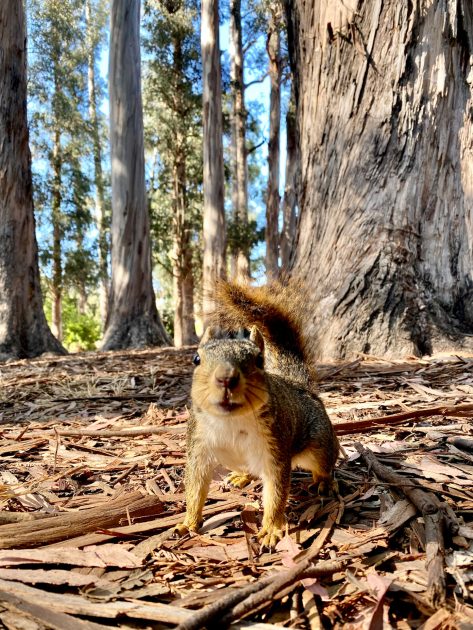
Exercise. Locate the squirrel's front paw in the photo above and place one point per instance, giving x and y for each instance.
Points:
(238, 479)
(270, 536)
(180, 529)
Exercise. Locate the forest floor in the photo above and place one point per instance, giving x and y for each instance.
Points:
(91, 470)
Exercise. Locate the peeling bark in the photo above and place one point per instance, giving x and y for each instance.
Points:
(24, 331)
(289, 201)
(57, 283)
(183, 285)
(133, 320)
(385, 235)
(213, 189)
(98, 172)
(240, 259)
(272, 200)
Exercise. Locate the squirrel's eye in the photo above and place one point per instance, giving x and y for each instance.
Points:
(196, 360)
(259, 361)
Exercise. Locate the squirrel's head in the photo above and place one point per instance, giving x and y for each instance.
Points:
(229, 378)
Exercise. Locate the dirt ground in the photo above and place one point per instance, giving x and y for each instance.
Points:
(91, 470)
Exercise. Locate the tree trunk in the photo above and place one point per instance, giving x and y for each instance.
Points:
(384, 97)
(24, 331)
(184, 328)
(272, 200)
(133, 320)
(213, 189)
(56, 167)
(240, 256)
(179, 245)
(188, 324)
(98, 173)
(289, 201)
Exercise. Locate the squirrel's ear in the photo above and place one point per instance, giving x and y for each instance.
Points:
(257, 338)
(211, 332)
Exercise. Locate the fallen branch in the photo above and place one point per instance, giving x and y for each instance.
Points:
(362, 426)
(434, 518)
(66, 525)
(247, 598)
(113, 610)
(126, 432)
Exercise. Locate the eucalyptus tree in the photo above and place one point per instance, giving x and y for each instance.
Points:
(96, 16)
(23, 328)
(60, 131)
(272, 198)
(173, 132)
(239, 256)
(214, 235)
(133, 319)
(385, 231)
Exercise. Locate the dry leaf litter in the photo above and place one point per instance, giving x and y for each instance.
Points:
(92, 459)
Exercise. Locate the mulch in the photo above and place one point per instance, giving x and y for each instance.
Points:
(91, 485)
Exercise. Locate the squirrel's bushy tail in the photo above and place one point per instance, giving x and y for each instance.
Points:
(275, 309)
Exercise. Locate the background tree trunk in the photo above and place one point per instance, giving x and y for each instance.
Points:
(184, 327)
(240, 257)
(289, 201)
(133, 320)
(57, 283)
(272, 200)
(384, 98)
(23, 328)
(213, 210)
(98, 172)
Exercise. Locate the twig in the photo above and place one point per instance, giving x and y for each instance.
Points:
(127, 432)
(434, 519)
(124, 474)
(251, 596)
(362, 426)
(119, 397)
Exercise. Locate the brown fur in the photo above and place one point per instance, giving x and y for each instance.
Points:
(257, 416)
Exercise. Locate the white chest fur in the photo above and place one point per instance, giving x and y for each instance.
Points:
(236, 443)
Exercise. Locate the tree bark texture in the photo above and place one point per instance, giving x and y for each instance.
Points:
(133, 320)
(100, 214)
(24, 331)
(240, 255)
(213, 174)
(184, 325)
(385, 236)
(57, 281)
(272, 199)
(289, 201)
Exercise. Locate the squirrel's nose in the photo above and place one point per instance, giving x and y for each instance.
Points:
(227, 376)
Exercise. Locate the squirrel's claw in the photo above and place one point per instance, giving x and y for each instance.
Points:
(180, 530)
(238, 479)
(270, 536)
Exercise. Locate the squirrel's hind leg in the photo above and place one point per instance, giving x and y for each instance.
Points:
(316, 461)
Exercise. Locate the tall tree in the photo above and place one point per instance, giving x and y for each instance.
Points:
(23, 328)
(385, 231)
(289, 200)
(213, 211)
(94, 17)
(240, 256)
(60, 137)
(173, 122)
(133, 319)
(272, 198)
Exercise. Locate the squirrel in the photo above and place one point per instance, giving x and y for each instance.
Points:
(254, 406)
